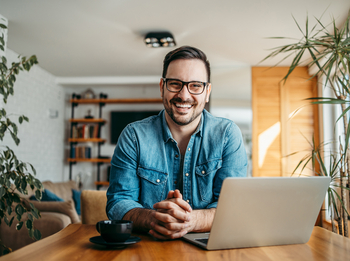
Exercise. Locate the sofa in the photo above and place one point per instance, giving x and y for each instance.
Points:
(55, 215)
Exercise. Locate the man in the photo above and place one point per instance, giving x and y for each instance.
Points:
(167, 170)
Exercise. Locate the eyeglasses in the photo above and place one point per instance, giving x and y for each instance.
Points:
(193, 87)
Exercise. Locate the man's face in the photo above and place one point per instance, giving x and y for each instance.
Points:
(184, 108)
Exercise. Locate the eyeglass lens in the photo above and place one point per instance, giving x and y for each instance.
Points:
(193, 87)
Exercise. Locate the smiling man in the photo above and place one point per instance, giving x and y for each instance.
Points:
(167, 170)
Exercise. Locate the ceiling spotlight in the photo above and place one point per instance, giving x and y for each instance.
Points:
(159, 39)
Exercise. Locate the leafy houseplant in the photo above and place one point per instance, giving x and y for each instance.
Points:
(329, 52)
(15, 175)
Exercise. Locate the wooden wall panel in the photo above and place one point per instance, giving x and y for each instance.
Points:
(269, 143)
(282, 120)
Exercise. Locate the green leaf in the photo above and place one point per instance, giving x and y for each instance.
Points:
(7, 154)
(25, 118)
(38, 184)
(19, 225)
(26, 66)
(16, 198)
(19, 209)
(7, 183)
(3, 58)
(18, 182)
(20, 119)
(30, 217)
(12, 78)
(2, 192)
(34, 172)
(2, 205)
(3, 112)
(29, 224)
(38, 194)
(14, 127)
(15, 138)
(3, 26)
(37, 234)
(9, 209)
(11, 221)
(31, 232)
(23, 183)
(35, 213)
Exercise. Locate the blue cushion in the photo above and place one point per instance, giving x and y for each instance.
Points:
(47, 195)
(76, 198)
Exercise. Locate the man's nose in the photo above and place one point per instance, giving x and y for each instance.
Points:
(184, 93)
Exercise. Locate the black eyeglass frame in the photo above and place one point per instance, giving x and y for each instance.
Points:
(183, 84)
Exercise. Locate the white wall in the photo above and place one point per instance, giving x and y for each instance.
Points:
(35, 95)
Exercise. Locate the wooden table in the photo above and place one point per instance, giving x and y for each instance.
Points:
(72, 243)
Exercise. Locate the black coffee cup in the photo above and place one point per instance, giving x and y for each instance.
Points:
(114, 230)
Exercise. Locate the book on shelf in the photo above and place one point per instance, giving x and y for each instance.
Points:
(85, 131)
(72, 153)
(74, 132)
(81, 152)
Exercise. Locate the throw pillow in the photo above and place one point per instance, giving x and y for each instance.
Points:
(76, 198)
(65, 207)
(47, 195)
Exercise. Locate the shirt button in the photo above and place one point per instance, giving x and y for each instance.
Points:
(203, 172)
(175, 182)
(176, 156)
(158, 180)
(187, 174)
(189, 149)
(187, 200)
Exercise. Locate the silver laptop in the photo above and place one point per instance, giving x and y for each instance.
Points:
(254, 212)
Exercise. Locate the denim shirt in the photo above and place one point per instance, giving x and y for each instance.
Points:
(146, 164)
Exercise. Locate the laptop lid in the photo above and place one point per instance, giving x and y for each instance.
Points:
(254, 212)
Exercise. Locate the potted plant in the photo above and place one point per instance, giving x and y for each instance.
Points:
(329, 51)
(15, 176)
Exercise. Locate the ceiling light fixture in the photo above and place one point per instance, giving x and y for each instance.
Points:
(159, 39)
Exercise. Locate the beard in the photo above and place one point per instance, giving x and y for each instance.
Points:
(180, 118)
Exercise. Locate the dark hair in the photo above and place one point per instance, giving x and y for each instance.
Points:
(185, 52)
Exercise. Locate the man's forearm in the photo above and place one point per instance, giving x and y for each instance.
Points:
(141, 218)
(202, 219)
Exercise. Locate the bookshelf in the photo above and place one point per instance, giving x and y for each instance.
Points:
(84, 131)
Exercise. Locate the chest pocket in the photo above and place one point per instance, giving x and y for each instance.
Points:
(152, 186)
(205, 174)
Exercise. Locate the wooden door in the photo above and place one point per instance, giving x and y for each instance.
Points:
(283, 121)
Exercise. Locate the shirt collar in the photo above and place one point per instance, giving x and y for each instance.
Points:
(167, 133)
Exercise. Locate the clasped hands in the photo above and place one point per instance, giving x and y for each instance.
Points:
(173, 217)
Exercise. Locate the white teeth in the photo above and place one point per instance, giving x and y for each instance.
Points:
(183, 105)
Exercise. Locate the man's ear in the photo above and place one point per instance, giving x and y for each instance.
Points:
(161, 87)
(208, 90)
